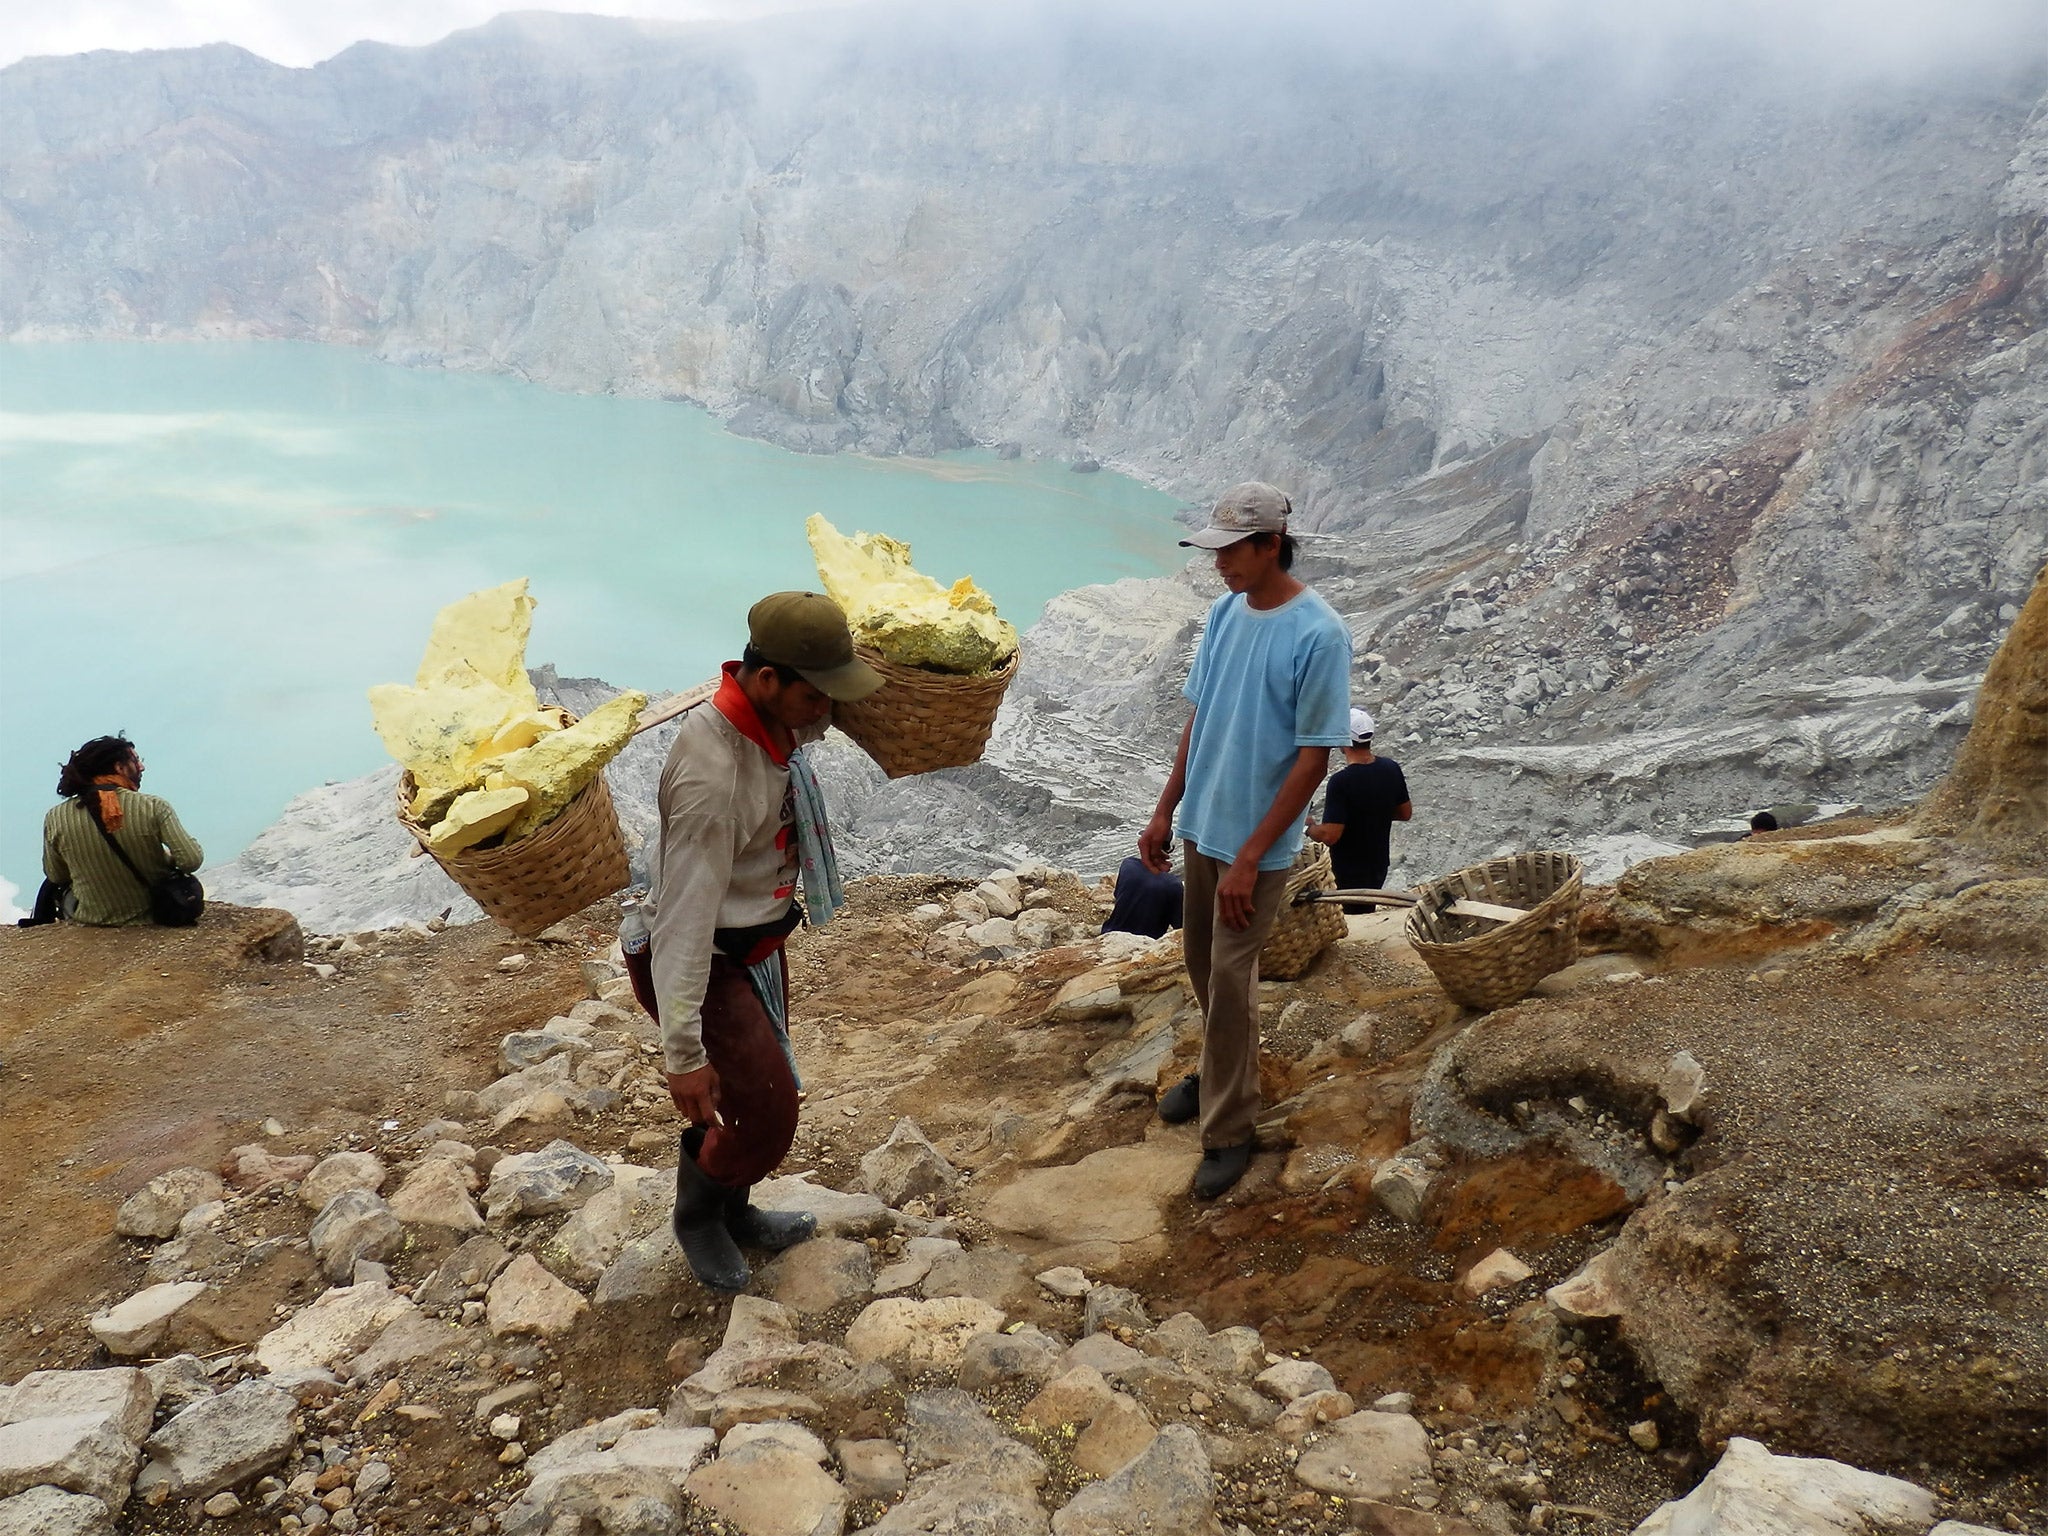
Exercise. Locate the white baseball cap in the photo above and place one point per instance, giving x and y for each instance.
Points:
(1361, 725)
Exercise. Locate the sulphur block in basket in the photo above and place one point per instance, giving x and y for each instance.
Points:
(905, 614)
(487, 631)
(444, 730)
(554, 770)
(475, 815)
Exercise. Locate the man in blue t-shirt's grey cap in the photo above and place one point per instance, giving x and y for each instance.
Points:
(1270, 687)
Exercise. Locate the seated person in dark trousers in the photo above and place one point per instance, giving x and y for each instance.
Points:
(1363, 801)
(1146, 903)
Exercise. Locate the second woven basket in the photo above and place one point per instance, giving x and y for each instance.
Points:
(1484, 964)
(920, 720)
(1302, 932)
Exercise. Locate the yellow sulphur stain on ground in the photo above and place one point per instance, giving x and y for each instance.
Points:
(903, 613)
(485, 754)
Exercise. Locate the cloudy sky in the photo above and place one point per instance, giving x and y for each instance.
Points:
(1888, 34)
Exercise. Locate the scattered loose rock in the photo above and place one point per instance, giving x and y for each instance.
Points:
(354, 1225)
(342, 1171)
(155, 1210)
(1169, 1488)
(559, 1177)
(526, 1299)
(907, 1167)
(134, 1326)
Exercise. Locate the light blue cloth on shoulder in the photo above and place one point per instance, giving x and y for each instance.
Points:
(818, 865)
(1265, 684)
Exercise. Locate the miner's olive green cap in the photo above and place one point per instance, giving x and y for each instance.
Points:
(807, 631)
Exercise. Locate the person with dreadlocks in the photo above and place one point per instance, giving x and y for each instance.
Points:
(101, 785)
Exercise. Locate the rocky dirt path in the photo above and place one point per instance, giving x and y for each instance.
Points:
(395, 1235)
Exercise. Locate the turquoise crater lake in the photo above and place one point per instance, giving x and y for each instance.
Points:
(218, 547)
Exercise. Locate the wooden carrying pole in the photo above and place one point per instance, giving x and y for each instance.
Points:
(1464, 906)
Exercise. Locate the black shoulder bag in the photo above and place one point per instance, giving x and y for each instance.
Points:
(174, 901)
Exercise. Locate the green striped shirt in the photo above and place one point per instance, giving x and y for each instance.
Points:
(75, 854)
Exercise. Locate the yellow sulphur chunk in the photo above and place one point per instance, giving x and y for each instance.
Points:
(486, 631)
(474, 816)
(554, 770)
(903, 613)
(439, 732)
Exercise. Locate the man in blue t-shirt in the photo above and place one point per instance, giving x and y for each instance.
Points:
(1271, 690)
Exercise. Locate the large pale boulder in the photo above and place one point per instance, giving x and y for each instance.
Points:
(1117, 1435)
(1370, 1455)
(821, 1274)
(837, 1213)
(920, 1335)
(1750, 1492)
(771, 1490)
(354, 1225)
(220, 1441)
(1170, 1487)
(78, 1452)
(559, 1177)
(436, 1194)
(341, 1322)
(47, 1511)
(124, 1394)
(637, 1202)
(1117, 1195)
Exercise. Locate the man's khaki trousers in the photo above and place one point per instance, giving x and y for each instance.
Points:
(1223, 966)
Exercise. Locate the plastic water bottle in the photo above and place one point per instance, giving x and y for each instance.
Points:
(633, 935)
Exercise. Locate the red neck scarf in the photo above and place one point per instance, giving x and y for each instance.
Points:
(106, 786)
(732, 702)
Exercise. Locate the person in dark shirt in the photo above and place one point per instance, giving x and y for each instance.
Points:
(1146, 903)
(1363, 801)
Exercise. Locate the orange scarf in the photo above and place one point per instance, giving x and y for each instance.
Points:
(108, 785)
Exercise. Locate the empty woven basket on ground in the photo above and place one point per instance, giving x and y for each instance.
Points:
(559, 868)
(924, 720)
(1484, 964)
(1303, 932)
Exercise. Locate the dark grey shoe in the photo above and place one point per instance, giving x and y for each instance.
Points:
(1183, 1101)
(1221, 1167)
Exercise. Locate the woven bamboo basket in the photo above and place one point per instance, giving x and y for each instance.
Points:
(559, 868)
(1302, 932)
(1485, 964)
(924, 720)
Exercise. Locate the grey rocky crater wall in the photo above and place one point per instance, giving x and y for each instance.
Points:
(1672, 443)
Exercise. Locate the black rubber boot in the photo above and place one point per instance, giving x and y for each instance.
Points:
(699, 1226)
(770, 1231)
(1183, 1101)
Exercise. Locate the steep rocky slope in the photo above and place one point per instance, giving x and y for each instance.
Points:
(1675, 437)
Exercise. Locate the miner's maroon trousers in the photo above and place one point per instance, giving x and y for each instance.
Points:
(756, 1089)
